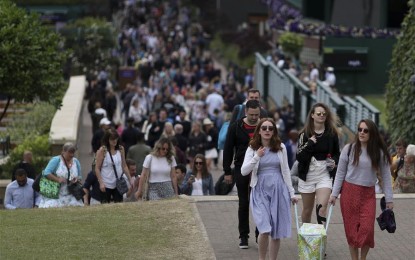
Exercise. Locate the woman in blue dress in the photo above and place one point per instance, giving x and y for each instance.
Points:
(271, 188)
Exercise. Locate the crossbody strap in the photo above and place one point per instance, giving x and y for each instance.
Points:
(113, 165)
(66, 167)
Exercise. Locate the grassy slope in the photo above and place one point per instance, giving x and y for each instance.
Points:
(379, 102)
(152, 230)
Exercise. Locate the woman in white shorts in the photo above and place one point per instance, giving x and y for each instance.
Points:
(318, 154)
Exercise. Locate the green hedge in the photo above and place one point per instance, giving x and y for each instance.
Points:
(400, 92)
(39, 145)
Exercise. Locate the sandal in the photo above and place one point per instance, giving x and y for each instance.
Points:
(320, 219)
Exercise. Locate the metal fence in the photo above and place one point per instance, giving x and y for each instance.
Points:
(285, 88)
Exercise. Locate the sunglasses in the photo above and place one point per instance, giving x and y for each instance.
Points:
(267, 127)
(164, 149)
(198, 163)
(321, 113)
(362, 130)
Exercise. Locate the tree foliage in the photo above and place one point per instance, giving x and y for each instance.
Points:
(291, 43)
(91, 41)
(400, 91)
(31, 57)
(40, 148)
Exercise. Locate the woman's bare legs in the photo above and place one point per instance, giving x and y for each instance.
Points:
(322, 197)
(308, 206)
(354, 253)
(274, 247)
(363, 253)
(263, 245)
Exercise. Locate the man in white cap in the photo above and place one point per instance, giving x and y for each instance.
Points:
(104, 125)
(330, 77)
(211, 153)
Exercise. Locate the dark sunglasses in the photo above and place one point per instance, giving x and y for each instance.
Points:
(198, 163)
(164, 149)
(362, 130)
(267, 127)
(321, 113)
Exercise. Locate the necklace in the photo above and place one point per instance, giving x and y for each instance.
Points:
(319, 134)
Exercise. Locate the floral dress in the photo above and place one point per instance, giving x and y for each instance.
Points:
(405, 181)
(65, 199)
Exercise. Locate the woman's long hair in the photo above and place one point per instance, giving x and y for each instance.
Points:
(111, 134)
(159, 144)
(205, 172)
(375, 148)
(330, 124)
(275, 142)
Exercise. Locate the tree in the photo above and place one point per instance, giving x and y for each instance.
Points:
(31, 58)
(400, 90)
(91, 41)
(291, 43)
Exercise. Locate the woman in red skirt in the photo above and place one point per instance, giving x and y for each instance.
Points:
(361, 165)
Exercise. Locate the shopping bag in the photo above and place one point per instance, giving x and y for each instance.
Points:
(49, 188)
(312, 238)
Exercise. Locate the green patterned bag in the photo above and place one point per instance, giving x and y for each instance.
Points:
(312, 238)
(48, 188)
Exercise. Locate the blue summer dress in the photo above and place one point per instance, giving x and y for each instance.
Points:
(270, 198)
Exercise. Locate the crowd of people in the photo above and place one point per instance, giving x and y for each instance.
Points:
(165, 142)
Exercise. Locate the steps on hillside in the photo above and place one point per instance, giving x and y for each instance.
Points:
(15, 111)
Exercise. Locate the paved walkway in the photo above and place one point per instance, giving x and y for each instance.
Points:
(220, 221)
(219, 217)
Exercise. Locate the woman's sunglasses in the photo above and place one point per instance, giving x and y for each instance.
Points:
(164, 149)
(267, 127)
(198, 163)
(362, 130)
(320, 113)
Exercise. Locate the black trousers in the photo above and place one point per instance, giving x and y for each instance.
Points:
(242, 183)
(111, 195)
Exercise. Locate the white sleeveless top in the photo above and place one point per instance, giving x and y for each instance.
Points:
(107, 171)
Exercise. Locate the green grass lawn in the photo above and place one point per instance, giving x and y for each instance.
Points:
(379, 102)
(165, 229)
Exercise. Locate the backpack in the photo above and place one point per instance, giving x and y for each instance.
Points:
(224, 129)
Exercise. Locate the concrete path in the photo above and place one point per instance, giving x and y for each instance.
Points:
(220, 220)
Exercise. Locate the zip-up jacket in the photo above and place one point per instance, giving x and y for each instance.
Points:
(237, 141)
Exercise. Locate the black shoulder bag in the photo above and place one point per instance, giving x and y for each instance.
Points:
(75, 189)
(120, 183)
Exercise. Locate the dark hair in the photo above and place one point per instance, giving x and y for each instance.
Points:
(205, 173)
(111, 134)
(20, 172)
(252, 104)
(275, 142)
(182, 168)
(253, 90)
(130, 162)
(375, 146)
(140, 137)
(401, 142)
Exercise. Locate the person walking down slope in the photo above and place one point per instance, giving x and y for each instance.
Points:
(266, 158)
(361, 164)
(237, 139)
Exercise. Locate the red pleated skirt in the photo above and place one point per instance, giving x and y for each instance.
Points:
(358, 207)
